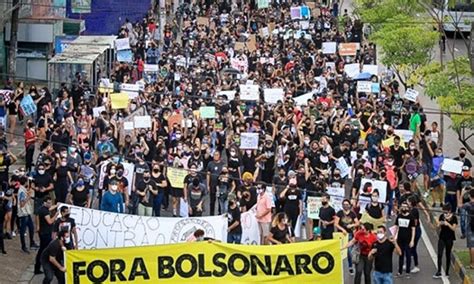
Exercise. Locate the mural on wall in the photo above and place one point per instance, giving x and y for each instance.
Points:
(47, 9)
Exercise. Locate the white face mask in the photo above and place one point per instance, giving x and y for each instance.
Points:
(41, 172)
(114, 187)
(63, 164)
(113, 171)
(380, 236)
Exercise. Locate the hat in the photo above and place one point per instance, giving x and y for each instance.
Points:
(113, 182)
(317, 231)
(465, 168)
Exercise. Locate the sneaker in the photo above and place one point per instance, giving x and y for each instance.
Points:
(34, 246)
(25, 250)
(38, 272)
(8, 236)
(415, 270)
(437, 275)
(425, 195)
(13, 234)
(408, 276)
(404, 267)
(351, 271)
(463, 237)
(447, 275)
(399, 275)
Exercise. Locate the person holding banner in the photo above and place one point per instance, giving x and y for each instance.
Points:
(346, 221)
(382, 253)
(280, 232)
(234, 230)
(161, 183)
(146, 190)
(327, 216)
(112, 201)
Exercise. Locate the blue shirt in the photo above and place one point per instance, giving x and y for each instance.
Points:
(112, 202)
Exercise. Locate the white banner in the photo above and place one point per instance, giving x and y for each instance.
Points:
(364, 86)
(250, 232)
(272, 96)
(100, 229)
(249, 92)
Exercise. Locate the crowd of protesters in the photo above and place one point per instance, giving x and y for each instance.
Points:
(299, 150)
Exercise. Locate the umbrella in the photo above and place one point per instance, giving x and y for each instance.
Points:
(363, 76)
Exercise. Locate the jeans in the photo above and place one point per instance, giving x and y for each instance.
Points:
(223, 205)
(406, 253)
(157, 202)
(364, 266)
(50, 272)
(349, 250)
(452, 199)
(144, 210)
(462, 213)
(212, 203)
(45, 239)
(390, 204)
(383, 278)
(234, 238)
(448, 245)
(414, 253)
(26, 221)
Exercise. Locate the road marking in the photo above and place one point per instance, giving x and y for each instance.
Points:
(431, 251)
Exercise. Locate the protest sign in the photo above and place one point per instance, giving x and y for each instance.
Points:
(373, 69)
(344, 240)
(240, 46)
(452, 166)
(303, 99)
(313, 205)
(411, 95)
(119, 100)
(375, 88)
(122, 44)
(337, 197)
(352, 70)
(128, 125)
(176, 177)
(262, 4)
(207, 112)
(101, 229)
(252, 43)
(365, 156)
(249, 92)
(229, 94)
(363, 202)
(347, 49)
(203, 21)
(305, 12)
(150, 68)
(265, 32)
(364, 86)
(250, 230)
(208, 262)
(129, 174)
(239, 64)
(143, 121)
(130, 89)
(175, 118)
(305, 26)
(272, 96)
(248, 140)
(295, 13)
(342, 165)
(405, 134)
(97, 110)
(105, 86)
(27, 105)
(390, 141)
(372, 184)
(329, 47)
(125, 55)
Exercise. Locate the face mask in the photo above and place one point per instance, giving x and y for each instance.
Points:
(114, 187)
(120, 173)
(412, 147)
(232, 153)
(306, 142)
(146, 178)
(113, 171)
(346, 207)
(259, 191)
(359, 156)
(178, 136)
(405, 210)
(196, 153)
(324, 203)
(462, 155)
(84, 131)
(67, 215)
(72, 149)
(380, 236)
(41, 172)
(63, 164)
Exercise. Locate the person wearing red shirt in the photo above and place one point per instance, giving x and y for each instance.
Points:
(30, 140)
(365, 239)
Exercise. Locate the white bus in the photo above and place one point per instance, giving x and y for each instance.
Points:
(458, 17)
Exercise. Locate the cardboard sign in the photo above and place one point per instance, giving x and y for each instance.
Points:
(249, 92)
(272, 96)
(207, 112)
(119, 100)
(176, 177)
(342, 165)
(249, 141)
(97, 110)
(312, 206)
(128, 125)
(203, 21)
(122, 43)
(295, 13)
(452, 166)
(240, 46)
(265, 32)
(151, 68)
(303, 99)
(380, 185)
(173, 119)
(130, 89)
(352, 70)
(411, 95)
(347, 49)
(329, 47)
(364, 86)
(372, 69)
(404, 134)
(252, 43)
(143, 121)
(229, 94)
(263, 4)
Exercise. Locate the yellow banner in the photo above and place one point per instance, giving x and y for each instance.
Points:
(203, 262)
(119, 100)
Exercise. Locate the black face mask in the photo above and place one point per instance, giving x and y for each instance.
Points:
(324, 203)
(146, 178)
(67, 215)
(462, 155)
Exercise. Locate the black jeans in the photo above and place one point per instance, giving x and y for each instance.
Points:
(364, 266)
(50, 272)
(29, 157)
(448, 245)
(45, 239)
(212, 203)
(406, 253)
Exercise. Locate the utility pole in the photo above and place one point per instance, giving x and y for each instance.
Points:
(471, 47)
(13, 39)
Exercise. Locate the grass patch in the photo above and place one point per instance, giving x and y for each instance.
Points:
(463, 256)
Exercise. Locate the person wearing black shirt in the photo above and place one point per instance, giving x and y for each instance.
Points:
(327, 216)
(293, 203)
(234, 230)
(447, 223)
(280, 232)
(383, 251)
(213, 169)
(46, 221)
(42, 184)
(345, 221)
(465, 183)
(405, 236)
(66, 223)
(146, 190)
(52, 259)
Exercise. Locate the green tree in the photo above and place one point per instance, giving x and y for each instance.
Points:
(405, 48)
